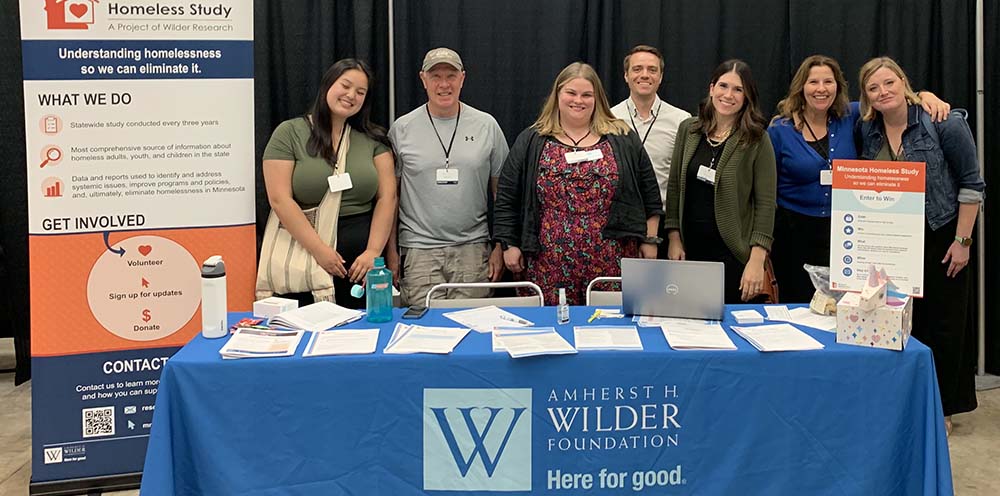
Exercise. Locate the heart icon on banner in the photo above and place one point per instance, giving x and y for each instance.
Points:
(79, 9)
(145, 249)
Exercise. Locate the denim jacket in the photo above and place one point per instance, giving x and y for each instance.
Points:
(952, 172)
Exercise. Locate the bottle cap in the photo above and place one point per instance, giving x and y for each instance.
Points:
(357, 291)
(562, 296)
(379, 263)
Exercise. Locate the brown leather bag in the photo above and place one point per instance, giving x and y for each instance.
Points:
(770, 287)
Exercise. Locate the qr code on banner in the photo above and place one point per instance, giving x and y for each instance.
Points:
(99, 421)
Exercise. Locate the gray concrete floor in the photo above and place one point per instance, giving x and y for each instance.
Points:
(975, 442)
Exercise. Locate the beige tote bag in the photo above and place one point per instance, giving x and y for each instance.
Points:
(285, 266)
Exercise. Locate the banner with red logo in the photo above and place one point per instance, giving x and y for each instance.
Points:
(139, 136)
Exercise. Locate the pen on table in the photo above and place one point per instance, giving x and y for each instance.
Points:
(515, 319)
(597, 313)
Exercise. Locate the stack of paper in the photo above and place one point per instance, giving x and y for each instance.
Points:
(255, 343)
(533, 341)
(606, 338)
(778, 337)
(485, 319)
(316, 317)
(689, 334)
(342, 342)
(747, 317)
(420, 339)
(778, 313)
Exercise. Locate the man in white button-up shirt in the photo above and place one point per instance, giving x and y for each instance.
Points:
(653, 119)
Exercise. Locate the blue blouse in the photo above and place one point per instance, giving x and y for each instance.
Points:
(799, 165)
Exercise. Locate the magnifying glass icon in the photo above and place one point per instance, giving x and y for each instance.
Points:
(53, 154)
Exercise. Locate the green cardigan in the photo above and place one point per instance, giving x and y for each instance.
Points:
(745, 184)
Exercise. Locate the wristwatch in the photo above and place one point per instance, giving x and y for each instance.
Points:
(652, 240)
(966, 242)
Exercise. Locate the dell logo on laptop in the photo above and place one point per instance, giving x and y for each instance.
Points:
(672, 289)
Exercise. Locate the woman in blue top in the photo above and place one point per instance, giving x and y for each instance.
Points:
(814, 127)
(895, 127)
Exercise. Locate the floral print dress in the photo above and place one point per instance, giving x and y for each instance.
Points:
(574, 201)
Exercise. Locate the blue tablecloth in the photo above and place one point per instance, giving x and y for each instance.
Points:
(842, 420)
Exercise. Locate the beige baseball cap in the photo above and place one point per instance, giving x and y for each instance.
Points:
(442, 56)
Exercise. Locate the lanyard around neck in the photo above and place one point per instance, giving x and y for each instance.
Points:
(447, 151)
(648, 129)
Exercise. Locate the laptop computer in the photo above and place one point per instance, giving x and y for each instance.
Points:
(673, 288)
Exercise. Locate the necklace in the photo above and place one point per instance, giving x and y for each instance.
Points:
(576, 142)
(717, 142)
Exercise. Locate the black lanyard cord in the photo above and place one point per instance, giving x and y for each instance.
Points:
(447, 151)
(648, 129)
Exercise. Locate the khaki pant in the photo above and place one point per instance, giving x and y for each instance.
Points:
(425, 268)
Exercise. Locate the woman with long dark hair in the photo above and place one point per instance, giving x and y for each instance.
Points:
(335, 147)
(720, 194)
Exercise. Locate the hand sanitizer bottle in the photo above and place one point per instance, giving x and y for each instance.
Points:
(562, 311)
(379, 292)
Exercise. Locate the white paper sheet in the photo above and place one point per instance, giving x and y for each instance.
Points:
(420, 339)
(342, 342)
(606, 338)
(543, 341)
(498, 344)
(689, 334)
(778, 337)
(249, 343)
(805, 317)
(485, 319)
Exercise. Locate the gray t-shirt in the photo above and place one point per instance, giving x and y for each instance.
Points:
(433, 215)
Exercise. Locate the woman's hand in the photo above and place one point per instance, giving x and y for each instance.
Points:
(331, 261)
(648, 250)
(496, 263)
(359, 269)
(936, 107)
(957, 257)
(752, 282)
(513, 259)
(675, 250)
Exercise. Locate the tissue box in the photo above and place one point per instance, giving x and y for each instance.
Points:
(269, 307)
(886, 326)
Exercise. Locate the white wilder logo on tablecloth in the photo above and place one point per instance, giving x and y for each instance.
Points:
(477, 439)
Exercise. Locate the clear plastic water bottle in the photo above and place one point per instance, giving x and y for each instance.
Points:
(562, 311)
(379, 292)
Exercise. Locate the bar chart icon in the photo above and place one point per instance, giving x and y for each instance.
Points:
(52, 187)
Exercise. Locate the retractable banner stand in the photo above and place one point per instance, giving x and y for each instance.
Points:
(139, 136)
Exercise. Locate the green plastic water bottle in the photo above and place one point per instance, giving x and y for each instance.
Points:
(379, 292)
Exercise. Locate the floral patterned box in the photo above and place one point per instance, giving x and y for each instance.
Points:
(887, 326)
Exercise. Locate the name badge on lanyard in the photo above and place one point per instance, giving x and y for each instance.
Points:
(339, 182)
(706, 174)
(826, 177)
(447, 176)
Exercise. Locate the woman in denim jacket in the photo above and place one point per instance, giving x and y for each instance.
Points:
(895, 127)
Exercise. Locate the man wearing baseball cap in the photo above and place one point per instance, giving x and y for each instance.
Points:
(448, 158)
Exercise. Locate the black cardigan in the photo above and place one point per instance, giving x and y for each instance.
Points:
(516, 217)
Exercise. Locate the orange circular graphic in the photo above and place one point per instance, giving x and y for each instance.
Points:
(147, 293)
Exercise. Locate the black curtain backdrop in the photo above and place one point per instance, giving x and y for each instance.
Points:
(513, 51)
(294, 44)
(13, 192)
(991, 30)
